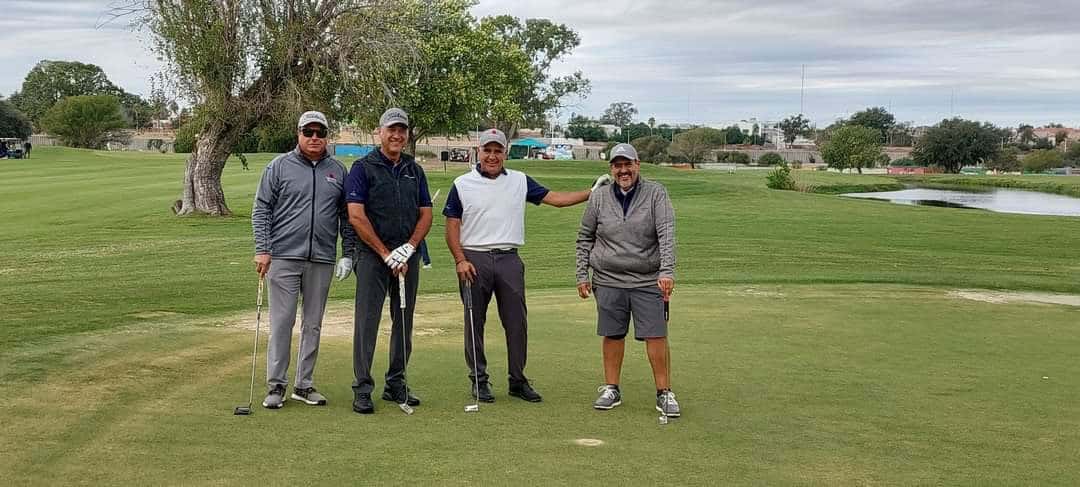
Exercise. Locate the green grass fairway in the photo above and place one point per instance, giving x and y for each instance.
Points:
(816, 340)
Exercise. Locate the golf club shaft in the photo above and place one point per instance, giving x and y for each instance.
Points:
(255, 348)
(472, 333)
(404, 349)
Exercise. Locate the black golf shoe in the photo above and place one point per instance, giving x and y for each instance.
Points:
(482, 393)
(398, 396)
(525, 391)
(362, 404)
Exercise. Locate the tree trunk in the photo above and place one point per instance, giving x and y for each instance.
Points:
(202, 177)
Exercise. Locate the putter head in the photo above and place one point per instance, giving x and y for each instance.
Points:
(405, 408)
(472, 408)
(242, 411)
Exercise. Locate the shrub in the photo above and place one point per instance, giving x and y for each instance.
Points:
(185, 138)
(780, 178)
(904, 162)
(85, 121)
(771, 159)
(733, 157)
(1041, 160)
(13, 123)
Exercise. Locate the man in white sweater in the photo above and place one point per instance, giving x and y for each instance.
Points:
(485, 226)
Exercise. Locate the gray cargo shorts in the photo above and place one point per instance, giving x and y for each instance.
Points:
(614, 306)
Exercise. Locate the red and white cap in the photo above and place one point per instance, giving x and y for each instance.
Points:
(492, 135)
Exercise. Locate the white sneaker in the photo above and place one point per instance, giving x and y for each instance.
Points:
(427, 266)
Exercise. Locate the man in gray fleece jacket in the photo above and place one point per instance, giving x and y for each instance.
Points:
(627, 240)
(299, 213)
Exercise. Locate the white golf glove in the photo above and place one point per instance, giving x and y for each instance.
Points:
(601, 181)
(404, 252)
(393, 263)
(343, 268)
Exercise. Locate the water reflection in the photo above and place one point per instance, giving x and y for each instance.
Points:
(998, 199)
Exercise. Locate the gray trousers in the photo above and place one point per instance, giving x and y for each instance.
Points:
(501, 275)
(373, 282)
(288, 280)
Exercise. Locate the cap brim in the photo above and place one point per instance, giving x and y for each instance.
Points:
(396, 122)
(620, 156)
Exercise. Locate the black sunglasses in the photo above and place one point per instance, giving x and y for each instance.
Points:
(308, 132)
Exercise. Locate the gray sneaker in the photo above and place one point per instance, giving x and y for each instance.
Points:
(309, 396)
(275, 398)
(609, 398)
(666, 403)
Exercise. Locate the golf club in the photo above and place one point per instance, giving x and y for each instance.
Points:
(404, 404)
(246, 410)
(663, 419)
(475, 406)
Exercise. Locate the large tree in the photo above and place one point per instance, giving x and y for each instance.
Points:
(694, 145)
(955, 143)
(852, 147)
(48, 82)
(582, 127)
(877, 118)
(651, 148)
(51, 81)
(240, 61)
(619, 114)
(544, 42)
(87, 121)
(467, 72)
(795, 126)
(13, 123)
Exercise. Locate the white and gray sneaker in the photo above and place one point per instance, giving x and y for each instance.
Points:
(609, 397)
(666, 404)
(275, 398)
(309, 396)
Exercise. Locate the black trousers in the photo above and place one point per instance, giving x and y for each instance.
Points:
(374, 282)
(501, 274)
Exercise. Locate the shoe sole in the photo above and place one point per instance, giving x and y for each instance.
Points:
(278, 406)
(539, 399)
(670, 415)
(483, 399)
(390, 399)
(364, 411)
(605, 408)
(308, 401)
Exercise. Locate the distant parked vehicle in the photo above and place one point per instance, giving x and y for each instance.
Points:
(458, 154)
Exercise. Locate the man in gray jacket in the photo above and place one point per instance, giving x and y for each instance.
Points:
(298, 215)
(627, 240)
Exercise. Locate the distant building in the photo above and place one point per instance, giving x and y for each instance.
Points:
(1050, 133)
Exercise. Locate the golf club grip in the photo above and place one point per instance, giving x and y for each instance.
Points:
(667, 309)
(262, 280)
(401, 290)
(468, 295)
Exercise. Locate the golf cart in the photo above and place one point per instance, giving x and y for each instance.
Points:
(12, 148)
(458, 154)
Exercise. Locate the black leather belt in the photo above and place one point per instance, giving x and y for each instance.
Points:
(496, 251)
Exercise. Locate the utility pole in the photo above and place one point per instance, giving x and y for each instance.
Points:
(802, 92)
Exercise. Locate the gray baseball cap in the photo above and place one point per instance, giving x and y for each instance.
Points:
(493, 135)
(623, 150)
(394, 116)
(310, 117)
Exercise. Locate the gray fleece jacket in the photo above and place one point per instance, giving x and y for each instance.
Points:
(631, 250)
(300, 210)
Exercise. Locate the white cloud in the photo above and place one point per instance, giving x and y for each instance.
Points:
(705, 61)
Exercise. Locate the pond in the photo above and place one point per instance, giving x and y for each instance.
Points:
(994, 199)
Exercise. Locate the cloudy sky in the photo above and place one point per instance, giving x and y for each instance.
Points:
(717, 61)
